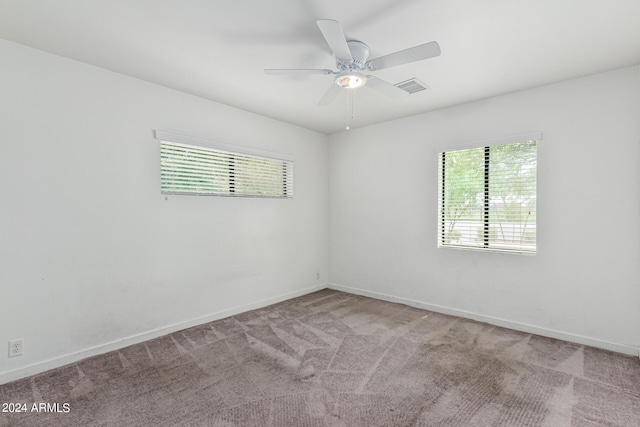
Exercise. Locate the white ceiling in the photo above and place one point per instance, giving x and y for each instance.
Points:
(217, 49)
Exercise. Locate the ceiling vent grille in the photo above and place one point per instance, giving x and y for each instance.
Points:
(412, 86)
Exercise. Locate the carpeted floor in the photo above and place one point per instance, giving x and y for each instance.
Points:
(335, 359)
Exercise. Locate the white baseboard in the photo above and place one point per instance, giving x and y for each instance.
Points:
(523, 327)
(66, 359)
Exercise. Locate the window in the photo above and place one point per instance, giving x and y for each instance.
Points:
(487, 197)
(222, 170)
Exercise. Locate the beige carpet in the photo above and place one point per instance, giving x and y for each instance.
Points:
(335, 359)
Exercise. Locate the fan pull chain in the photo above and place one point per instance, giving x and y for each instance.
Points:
(350, 114)
(352, 102)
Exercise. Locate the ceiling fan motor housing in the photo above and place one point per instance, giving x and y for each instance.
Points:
(359, 54)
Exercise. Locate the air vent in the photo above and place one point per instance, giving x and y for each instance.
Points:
(412, 86)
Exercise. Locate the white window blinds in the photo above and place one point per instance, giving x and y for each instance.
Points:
(487, 197)
(200, 170)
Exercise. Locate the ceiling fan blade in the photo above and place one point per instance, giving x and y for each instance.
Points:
(416, 53)
(298, 71)
(331, 94)
(385, 87)
(333, 34)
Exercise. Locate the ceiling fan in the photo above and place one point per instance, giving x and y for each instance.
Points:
(352, 63)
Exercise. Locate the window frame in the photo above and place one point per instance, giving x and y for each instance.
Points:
(486, 222)
(234, 154)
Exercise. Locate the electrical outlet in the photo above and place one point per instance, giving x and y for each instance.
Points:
(318, 275)
(15, 347)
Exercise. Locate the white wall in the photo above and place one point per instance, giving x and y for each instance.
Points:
(92, 257)
(584, 282)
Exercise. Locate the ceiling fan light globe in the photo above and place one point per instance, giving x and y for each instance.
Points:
(351, 80)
